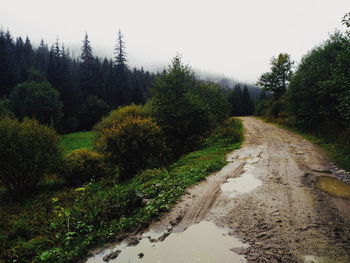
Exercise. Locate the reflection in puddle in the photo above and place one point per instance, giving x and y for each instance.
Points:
(203, 242)
(333, 186)
(241, 185)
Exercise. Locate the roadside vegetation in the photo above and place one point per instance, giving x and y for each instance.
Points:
(314, 99)
(92, 187)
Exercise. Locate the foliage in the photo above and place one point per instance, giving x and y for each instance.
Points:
(38, 100)
(67, 223)
(82, 165)
(241, 102)
(77, 140)
(75, 80)
(277, 80)
(318, 99)
(91, 112)
(133, 145)
(183, 108)
(4, 109)
(230, 131)
(120, 114)
(28, 151)
(213, 100)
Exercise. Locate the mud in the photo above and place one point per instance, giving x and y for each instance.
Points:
(333, 186)
(202, 242)
(278, 211)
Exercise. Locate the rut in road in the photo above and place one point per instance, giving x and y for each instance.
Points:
(282, 216)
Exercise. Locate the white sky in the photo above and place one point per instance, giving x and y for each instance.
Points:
(231, 37)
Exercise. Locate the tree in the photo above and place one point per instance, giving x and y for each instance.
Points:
(37, 100)
(4, 109)
(28, 151)
(7, 64)
(90, 76)
(277, 80)
(185, 109)
(121, 93)
(318, 97)
(91, 112)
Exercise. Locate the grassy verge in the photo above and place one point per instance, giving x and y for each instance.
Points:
(77, 140)
(69, 222)
(339, 154)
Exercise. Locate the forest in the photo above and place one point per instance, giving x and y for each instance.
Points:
(314, 96)
(72, 94)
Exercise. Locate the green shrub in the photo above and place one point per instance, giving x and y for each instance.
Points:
(133, 145)
(118, 115)
(231, 131)
(82, 165)
(28, 151)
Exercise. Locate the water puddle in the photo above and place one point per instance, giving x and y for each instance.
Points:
(312, 259)
(202, 242)
(243, 184)
(333, 186)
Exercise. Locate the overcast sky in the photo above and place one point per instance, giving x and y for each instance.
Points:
(230, 37)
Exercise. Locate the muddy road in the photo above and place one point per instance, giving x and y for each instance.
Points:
(264, 204)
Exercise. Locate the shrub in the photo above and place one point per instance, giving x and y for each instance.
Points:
(133, 145)
(82, 165)
(118, 115)
(28, 151)
(231, 130)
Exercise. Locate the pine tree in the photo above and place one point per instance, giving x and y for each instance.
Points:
(122, 94)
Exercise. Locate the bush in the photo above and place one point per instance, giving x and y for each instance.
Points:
(231, 131)
(82, 165)
(118, 115)
(133, 145)
(28, 151)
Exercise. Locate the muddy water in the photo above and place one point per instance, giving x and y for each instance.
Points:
(333, 186)
(243, 184)
(202, 242)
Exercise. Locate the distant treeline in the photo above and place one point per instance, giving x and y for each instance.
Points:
(70, 94)
(47, 83)
(316, 96)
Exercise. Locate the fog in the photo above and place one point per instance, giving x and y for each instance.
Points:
(233, 38)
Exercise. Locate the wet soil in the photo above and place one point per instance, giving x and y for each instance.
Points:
(267, 197)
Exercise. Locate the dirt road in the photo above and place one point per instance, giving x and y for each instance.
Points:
(266, 197)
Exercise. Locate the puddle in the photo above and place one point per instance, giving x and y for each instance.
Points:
(333, 186)
(312, 259)
(203, 242)
(243, 184)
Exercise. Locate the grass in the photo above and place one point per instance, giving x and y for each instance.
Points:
(69, 222)
(77, 140)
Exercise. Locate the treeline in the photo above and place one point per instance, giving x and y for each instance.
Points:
(70, 94)
(241, 101)
(316, 96)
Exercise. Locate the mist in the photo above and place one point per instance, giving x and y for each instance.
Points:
(233, 38)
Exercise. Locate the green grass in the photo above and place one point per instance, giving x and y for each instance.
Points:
(77, 140)
(69, 222)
